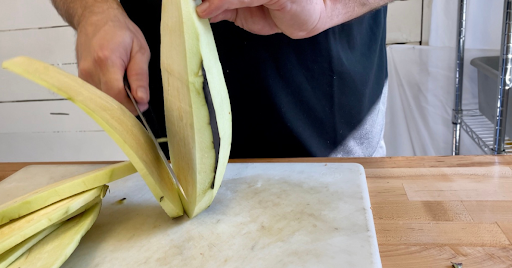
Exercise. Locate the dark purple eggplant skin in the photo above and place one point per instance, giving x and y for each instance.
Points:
(213, 124)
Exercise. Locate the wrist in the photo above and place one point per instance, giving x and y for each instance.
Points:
(95, 10)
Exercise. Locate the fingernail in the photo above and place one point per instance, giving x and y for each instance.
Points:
(202, 7)
(143, 107)
(141, 92)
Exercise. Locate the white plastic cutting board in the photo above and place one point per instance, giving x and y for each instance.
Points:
(265, 215)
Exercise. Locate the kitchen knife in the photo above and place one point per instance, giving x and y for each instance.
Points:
(148, 129)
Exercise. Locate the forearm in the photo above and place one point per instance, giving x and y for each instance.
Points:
(74, 11)
(341, 11)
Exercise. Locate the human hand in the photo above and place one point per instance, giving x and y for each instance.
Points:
(295, 18)
(108, 45)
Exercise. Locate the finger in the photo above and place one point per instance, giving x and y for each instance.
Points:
(138, 76)
(256, 20)
(212, 8)
(112, 74)
(229, 15)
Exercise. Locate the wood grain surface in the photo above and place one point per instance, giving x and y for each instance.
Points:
(429, 211)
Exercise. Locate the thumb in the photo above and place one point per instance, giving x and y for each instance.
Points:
(138, 77)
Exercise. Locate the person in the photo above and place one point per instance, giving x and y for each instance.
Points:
(306, 78)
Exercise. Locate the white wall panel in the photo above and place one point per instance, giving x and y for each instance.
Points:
(44, 116)
(53, 45)
(23, 14)
(404, 21)
(56, 147)
(484, 20)
(15, 88)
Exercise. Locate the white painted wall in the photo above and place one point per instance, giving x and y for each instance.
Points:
(404, 22)
(484, 19)
(23, 14)
(51, 45)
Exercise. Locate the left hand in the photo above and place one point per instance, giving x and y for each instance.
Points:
(295, 18)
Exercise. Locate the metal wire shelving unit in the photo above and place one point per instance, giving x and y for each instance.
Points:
(489, 136)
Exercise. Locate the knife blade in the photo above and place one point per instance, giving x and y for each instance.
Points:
(213, 123)
(148, 129)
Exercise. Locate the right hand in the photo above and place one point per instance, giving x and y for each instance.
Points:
(108, 45)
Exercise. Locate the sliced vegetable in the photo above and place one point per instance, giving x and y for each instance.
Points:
(63, 189)
(53, 250)
(115, 119)
(12, 254)
(18, 230)
(188, 46)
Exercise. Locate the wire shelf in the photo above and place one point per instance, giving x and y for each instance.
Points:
(481, 131)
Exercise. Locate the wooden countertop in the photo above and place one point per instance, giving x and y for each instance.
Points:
(430, 211)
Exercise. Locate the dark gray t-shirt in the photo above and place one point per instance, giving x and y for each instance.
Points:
(289, 98)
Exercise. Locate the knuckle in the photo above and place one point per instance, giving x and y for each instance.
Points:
(138, 76)
(102, 56)
(146, 53)
(143, 52)
(280, 5)
(84, 72)
(246, 2)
